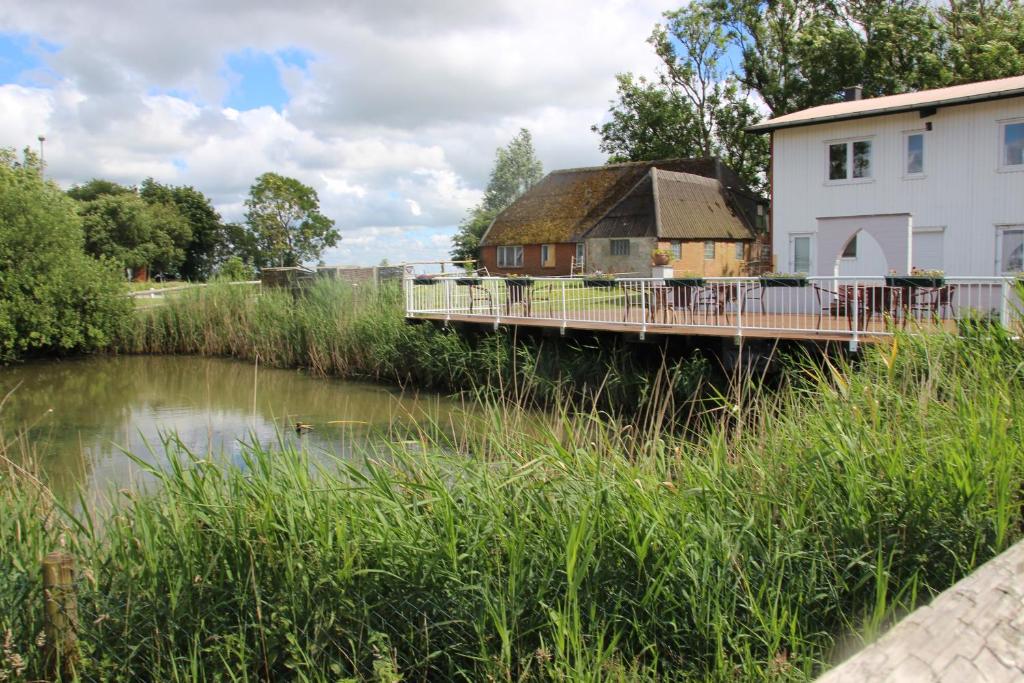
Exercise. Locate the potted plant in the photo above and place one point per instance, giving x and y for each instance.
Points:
(599, 280)
(918, 277)
(518, 281)
(424, 280)
(686, 279)
(661, 257)
(784, 280)
(467, 281)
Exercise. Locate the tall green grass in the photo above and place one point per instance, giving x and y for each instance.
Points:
(761, 548)
(335, 329)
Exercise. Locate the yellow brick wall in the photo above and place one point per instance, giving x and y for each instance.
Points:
(725, 263)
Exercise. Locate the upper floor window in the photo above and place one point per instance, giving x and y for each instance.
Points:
(914, 159)
(849, 160)
(1012, 145)
(620, 247)
(510, 257)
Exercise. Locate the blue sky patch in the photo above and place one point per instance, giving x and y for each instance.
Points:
(255, 78)
(21, 53)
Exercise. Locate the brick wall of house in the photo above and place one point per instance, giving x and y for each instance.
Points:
(564, 254)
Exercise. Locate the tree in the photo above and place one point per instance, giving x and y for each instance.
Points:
(285, 217)
(649, 121)
(207, 247)
(53, 297)
(516, 169)
(123, 228)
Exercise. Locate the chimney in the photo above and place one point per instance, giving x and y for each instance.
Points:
(853, 93)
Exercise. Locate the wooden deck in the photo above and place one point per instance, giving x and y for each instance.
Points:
(752, 325)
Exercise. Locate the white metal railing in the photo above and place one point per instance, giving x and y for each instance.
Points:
(831, 307)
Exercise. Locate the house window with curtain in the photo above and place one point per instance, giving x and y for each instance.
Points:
(547, 255)
(1012, 139)
(677, 250)
(849, 160)
(510, 257)
(740, 251)
(1011, 249)
(914, 159)
(709, 251)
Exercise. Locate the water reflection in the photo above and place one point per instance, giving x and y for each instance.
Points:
(80, 414)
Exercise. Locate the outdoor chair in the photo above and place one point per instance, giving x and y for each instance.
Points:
(933, 301)
(714, 298)
(835, 302)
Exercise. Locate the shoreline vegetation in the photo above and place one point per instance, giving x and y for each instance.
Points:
(766, 544)
(333, 329)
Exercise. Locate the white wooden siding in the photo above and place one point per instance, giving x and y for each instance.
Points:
(962, 187)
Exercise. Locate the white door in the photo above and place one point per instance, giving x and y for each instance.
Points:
(800, 250)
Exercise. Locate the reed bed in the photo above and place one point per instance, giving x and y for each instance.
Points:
(796, 524)
(359, 332)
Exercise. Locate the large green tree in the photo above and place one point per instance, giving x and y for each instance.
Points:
(53, 297)
(207, 246)
(122, 226)
(516, 169)
(284, 216)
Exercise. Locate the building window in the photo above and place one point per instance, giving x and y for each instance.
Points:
(850, 250)
(800, 253)
(510, 257)
(709, 251)
(620, 247)
(1011, 249)
(1013, 145)
(677, 250)
(739, 251)
(579, 254)
(849, 160)
(547, 255)
(915, 154)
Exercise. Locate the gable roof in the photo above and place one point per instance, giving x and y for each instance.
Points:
(567, 203)
(672, 205)
(894, 104)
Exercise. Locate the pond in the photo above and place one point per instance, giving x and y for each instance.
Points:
(80, 416)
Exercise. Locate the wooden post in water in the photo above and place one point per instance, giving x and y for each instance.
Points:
(60, 615)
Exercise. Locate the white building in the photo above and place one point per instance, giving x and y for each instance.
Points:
(933, 179)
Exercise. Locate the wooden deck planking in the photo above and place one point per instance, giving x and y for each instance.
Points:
(754, 325)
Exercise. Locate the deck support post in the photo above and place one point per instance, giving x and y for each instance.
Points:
(643, 308)
(447, 300)
(856, 317)
(564, 321)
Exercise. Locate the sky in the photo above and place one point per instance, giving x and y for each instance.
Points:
(391, 110)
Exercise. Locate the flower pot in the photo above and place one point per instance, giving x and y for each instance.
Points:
(660, 259)
(914, 281)
(519, 282)
(598, 282)
(783, 281)
(685, 282)
(424, 281)
(467, 281)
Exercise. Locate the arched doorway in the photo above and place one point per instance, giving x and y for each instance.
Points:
(861, 256)
(889, 246)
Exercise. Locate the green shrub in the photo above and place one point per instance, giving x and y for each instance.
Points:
(53, 297)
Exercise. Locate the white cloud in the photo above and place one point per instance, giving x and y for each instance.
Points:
(394, 120)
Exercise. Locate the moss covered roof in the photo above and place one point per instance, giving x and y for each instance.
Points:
(567, 203)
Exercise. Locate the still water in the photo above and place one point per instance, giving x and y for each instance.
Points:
(81, 416)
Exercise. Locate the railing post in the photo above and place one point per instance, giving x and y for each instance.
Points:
(497, 311)
(643, 309)
(564, 318)
(60, 615)
(1004, 309)
(739, 309)
(447, 299)
(856, 315)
